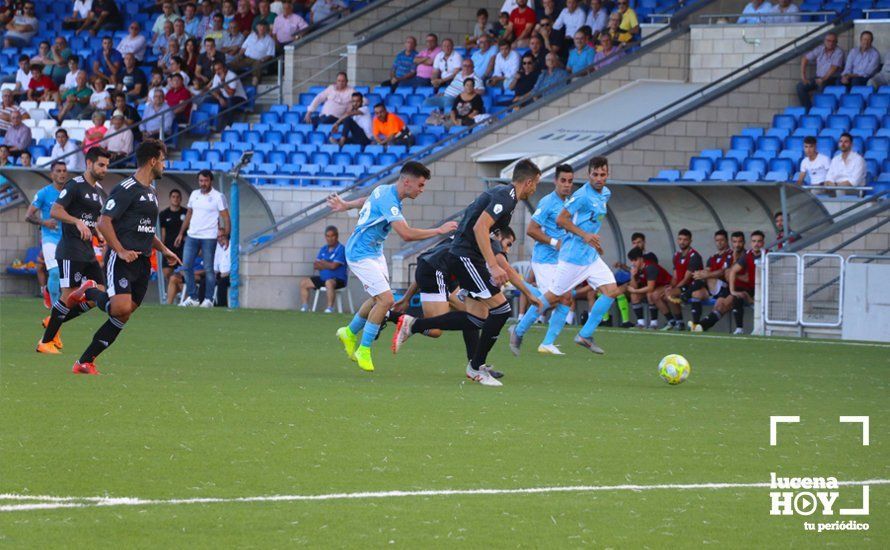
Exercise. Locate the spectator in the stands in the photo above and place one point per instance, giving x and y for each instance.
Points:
(216, 30)
(524, 81)
(7, 107)
(103, 15)
(553, 40)
(231, 42)
(553, 75)
(131, 114)
(403, 71)
(228, 12)
(256, 50)
(206, 22)
(25, 159)
(42, 56)
(788, 13)
(79, 13)
(191, 55)
(502, 29)
(177, 99)
(120, 138)
(334, 101)
(506, 65)
(862, 62)
(107, 62)
(22, 28)
(613, 28)
(155, 126)
(176, 65)
(179, 34)
(264, 15)
(157, 82)
(445, 100)
(581, 57)
(847, 168)
(483, 57)
(607, 54)
(523, 20)
(829, 61)
(629, 25)
(546, 8)
(325, 10)
(571, 18)
(41, 87)
(467, 105)
(537, 51)
(288, 26)
(132, 81)
(358, 128)
(483, 26)
(71, 76)
(814, 166)
(244, 17)
(134, 42)
(331, 266)
(389, 128)
(424, 60)
(160, 43)
(100, 99)
(168, 15)
(883, 77)
(597, 18)
(57, 60)
(191, 20)
(446, 65)
(510, 5)
(753, 10)
(96, 132)
(227, 90)
(21, 78)
(204, 72)
(75, 100)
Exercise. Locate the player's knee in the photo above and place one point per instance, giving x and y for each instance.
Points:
(385, 300)
(566, 300)
(433, 333)
(611, 291)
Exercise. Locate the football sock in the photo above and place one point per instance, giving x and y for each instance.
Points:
(710, 320)
(357, 324)
(453, 320)
(638, 312)
(103, 338)
(56, 318)
(471, 335)
(653, 314)
(695, 307)
(557, 321)
(53, 285)
(678, 318)
(600, 307)
(98, 297)
(623, 309)
(491, 328)
(528, 319)
(369, 334)
(670, 318)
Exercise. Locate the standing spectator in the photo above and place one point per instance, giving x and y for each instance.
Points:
(157, 119)
(76, 100)
(170, 220)
(334, 101)
(571, 18)
(506, 64)
(206, 22)
(524, 81)
(177, 98)
(356, 122)
(244, 17)
(133, 43)
(264, 15)
(883, 77)
(256, 50)
(403, 72)
(785, 7)
(607, 54)
(7, 107)
(424, 60)
(41, 87)
(204, 72)
(22, 28)
(103, 15)
(597, 18)
(107, 62)
(206, 219)
(131, 114)
(168, 15)
(523, 20)
(120, 141)
(132, 81)
(389, 128)
(323, 10)
(552, 76)
(752, 10)
(629, 25)
(96, 132)
(847, 168)
(446, 65)
(191, 20)
(18, 136)
(814, 166)
(483, 26)
(222, 266)
(330, 262)
(227, 90)
(483, 58)
(79, 13)
(467, 106)
(862, 62)
(230, 45)
(829, 60)
(57, 60)
(288, 26)
(581, 58)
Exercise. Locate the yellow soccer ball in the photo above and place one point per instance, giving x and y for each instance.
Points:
(674, 369)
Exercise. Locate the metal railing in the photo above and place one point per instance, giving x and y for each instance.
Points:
(787, 287)
(710, 18)
(885, 11)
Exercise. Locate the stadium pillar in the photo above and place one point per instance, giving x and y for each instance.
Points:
(235, 245)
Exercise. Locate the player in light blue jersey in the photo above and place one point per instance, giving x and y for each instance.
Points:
(549, 237)
(380, 213)
(50, 229)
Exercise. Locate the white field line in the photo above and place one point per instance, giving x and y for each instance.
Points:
(43, 502)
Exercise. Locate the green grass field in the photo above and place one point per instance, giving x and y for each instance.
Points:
(221, 404)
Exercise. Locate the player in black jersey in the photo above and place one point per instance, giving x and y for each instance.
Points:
(128, 225)
(78, 208)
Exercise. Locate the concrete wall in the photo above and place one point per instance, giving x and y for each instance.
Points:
(16, 236)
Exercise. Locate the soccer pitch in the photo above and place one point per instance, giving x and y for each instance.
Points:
(242, 406)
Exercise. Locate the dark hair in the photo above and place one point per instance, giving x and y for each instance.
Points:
(75, 59)
(434, 35)
(206, 173)
(414, 168)
(471, 80)
(380, 104)
(55, 163)
(635, 253)
(737, 234)
(331, 228)
(598, 162)
(149, 149)
(344, 75)
(505, 232)
(482, 11)
(359, 94)
(24, 58)
(684, 233)
(758, 233)
(637, 235)
(96, 152)
(809, 140)
(562, 168)
(777, 214)
(177, 191)
(721, 232)
(863, 33)
(525, 169)
(846, 135)
(64, 131)
(503, 42)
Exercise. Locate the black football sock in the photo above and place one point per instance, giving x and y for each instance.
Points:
(638, 311)
(98, 297)
(695, 306)
(56, 317)
(670, 318)
(678, 318)
(653, 313)
(453, 320)
(103, 338)
(471, 335)
(710, 320)
(497, 318)
(738, 312)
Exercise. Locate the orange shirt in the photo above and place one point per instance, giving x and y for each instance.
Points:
(391, 127)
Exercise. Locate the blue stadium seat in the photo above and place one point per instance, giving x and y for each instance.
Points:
(352, 148)
(398, 150)
(295, 138)
(722, 175)
(769, 143)
(793, 155)
(701, 164)
(753, 132)
(781, 165)
(374, 149)
(864, 91)
(727, 164)
(310, 169)
(784, 121)
(833, 133)
(777, 176)
(712, 154)
(879, 101)
(364, 159)
(879, 144)
(811, 122)
(213, 156)
(765, 155)
(794, 143)
(852, 101)
(425, 139)
(825, 101)
(796, 112)
(694, 175)
(320, 158)
(839, 122)
(273, 137)
(821, 112)
(387, 158)
(252, 136)
(669, 175)
(230, 136)
(756, 165)
(745, 143)
(316, 138)
(747, 176)
(780, 133)
(738, 154)
(277, 157)
(298, 158)
(826, 146)
(232, 155)
(191, 155)
(280, 109)
(201, 146)
(329, 148)
(342, 159)
(836, 91)
(866, 122)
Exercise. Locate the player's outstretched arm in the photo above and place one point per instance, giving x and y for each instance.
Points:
(517, 281)
(408, 233)
(107, 229)
(481, 231)
(58, 212)
(338, 204)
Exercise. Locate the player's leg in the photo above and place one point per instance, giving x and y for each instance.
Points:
(331, 287)
(544, 276)
(566, 277)
(599, 276)
(52, 269)
(723, 305)
(738, 312)
(698, 296)
(307, 284)
(374, 276)
(72, 302)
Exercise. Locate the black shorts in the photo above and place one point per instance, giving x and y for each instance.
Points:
(73, 272)
(316, 280)
(722, 293)
(177, 251)
(433, 284)
(472, 276)
(128, 278)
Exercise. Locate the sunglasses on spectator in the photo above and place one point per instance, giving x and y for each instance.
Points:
(527, 63)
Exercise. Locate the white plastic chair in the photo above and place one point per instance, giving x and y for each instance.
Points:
(48, 105)
(77, 134)
(28, 105)
(338, 300)
(30, 123)
(38, 133)
(49, 125)
(43, 161)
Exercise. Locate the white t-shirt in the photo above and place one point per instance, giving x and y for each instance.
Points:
(570, 21)
(231, 79)
(365, 120)
(816, 169)
(99, 100)
(448, 65)
(222, 259)
(71, 79)
(83, 7)
(257, 48)
(23, 79)
(851, 170)
(205, 213)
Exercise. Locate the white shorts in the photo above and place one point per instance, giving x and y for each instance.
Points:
(49, 255)
(373, 274)
(544, 274)
(568, 276)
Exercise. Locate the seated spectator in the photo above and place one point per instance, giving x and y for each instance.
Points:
(157, 82)
(483, 57)
(814, 166)
(133, 43)
(18, 136)
(95, 133)
(787, 9)
(445, 100)
(506, 64)
(356, 123)
(256, 50)
(79, 13)
(523, 21)
(107, 62)
(468, 106)
(168, 15)
(228, 13)
(230, 45)
(42, 56)
(216, 30)
(204, 71)
(829, 60)
(483, 26)
(100, 99)
(862, 62)
(330, 262)
(176, 65)
(325, 10)
(446, 65)
(847, 168)
(57, 60)
(25, 159)
(554, 75)
(75, 101)
(132, 80)
(882, 78)
(157, 119)
(537, 51)
(581, 57)
(160, 42)
(403, 72)
(177, 98)
(22, 28)
(510, 5)
(613, 28)
(190, 20)
(629, 25)
(389, 128)
(131, 114)
(171, 52)
(192, 53)
(553, 40)
(103, 15)
(71, 76)
(597, 18)
(41, 87)
(752, 10)
(502, 30)
(179, 34)
(227, 90)
(21, 78)
(263, 15)
(7, 107)
(244, 17)
(288, 26)
(608, 53)
(571, 18)
(334, 101)
(207, 20)
(546, 8)
(424, 60)
(524, 81)
(120, 139)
